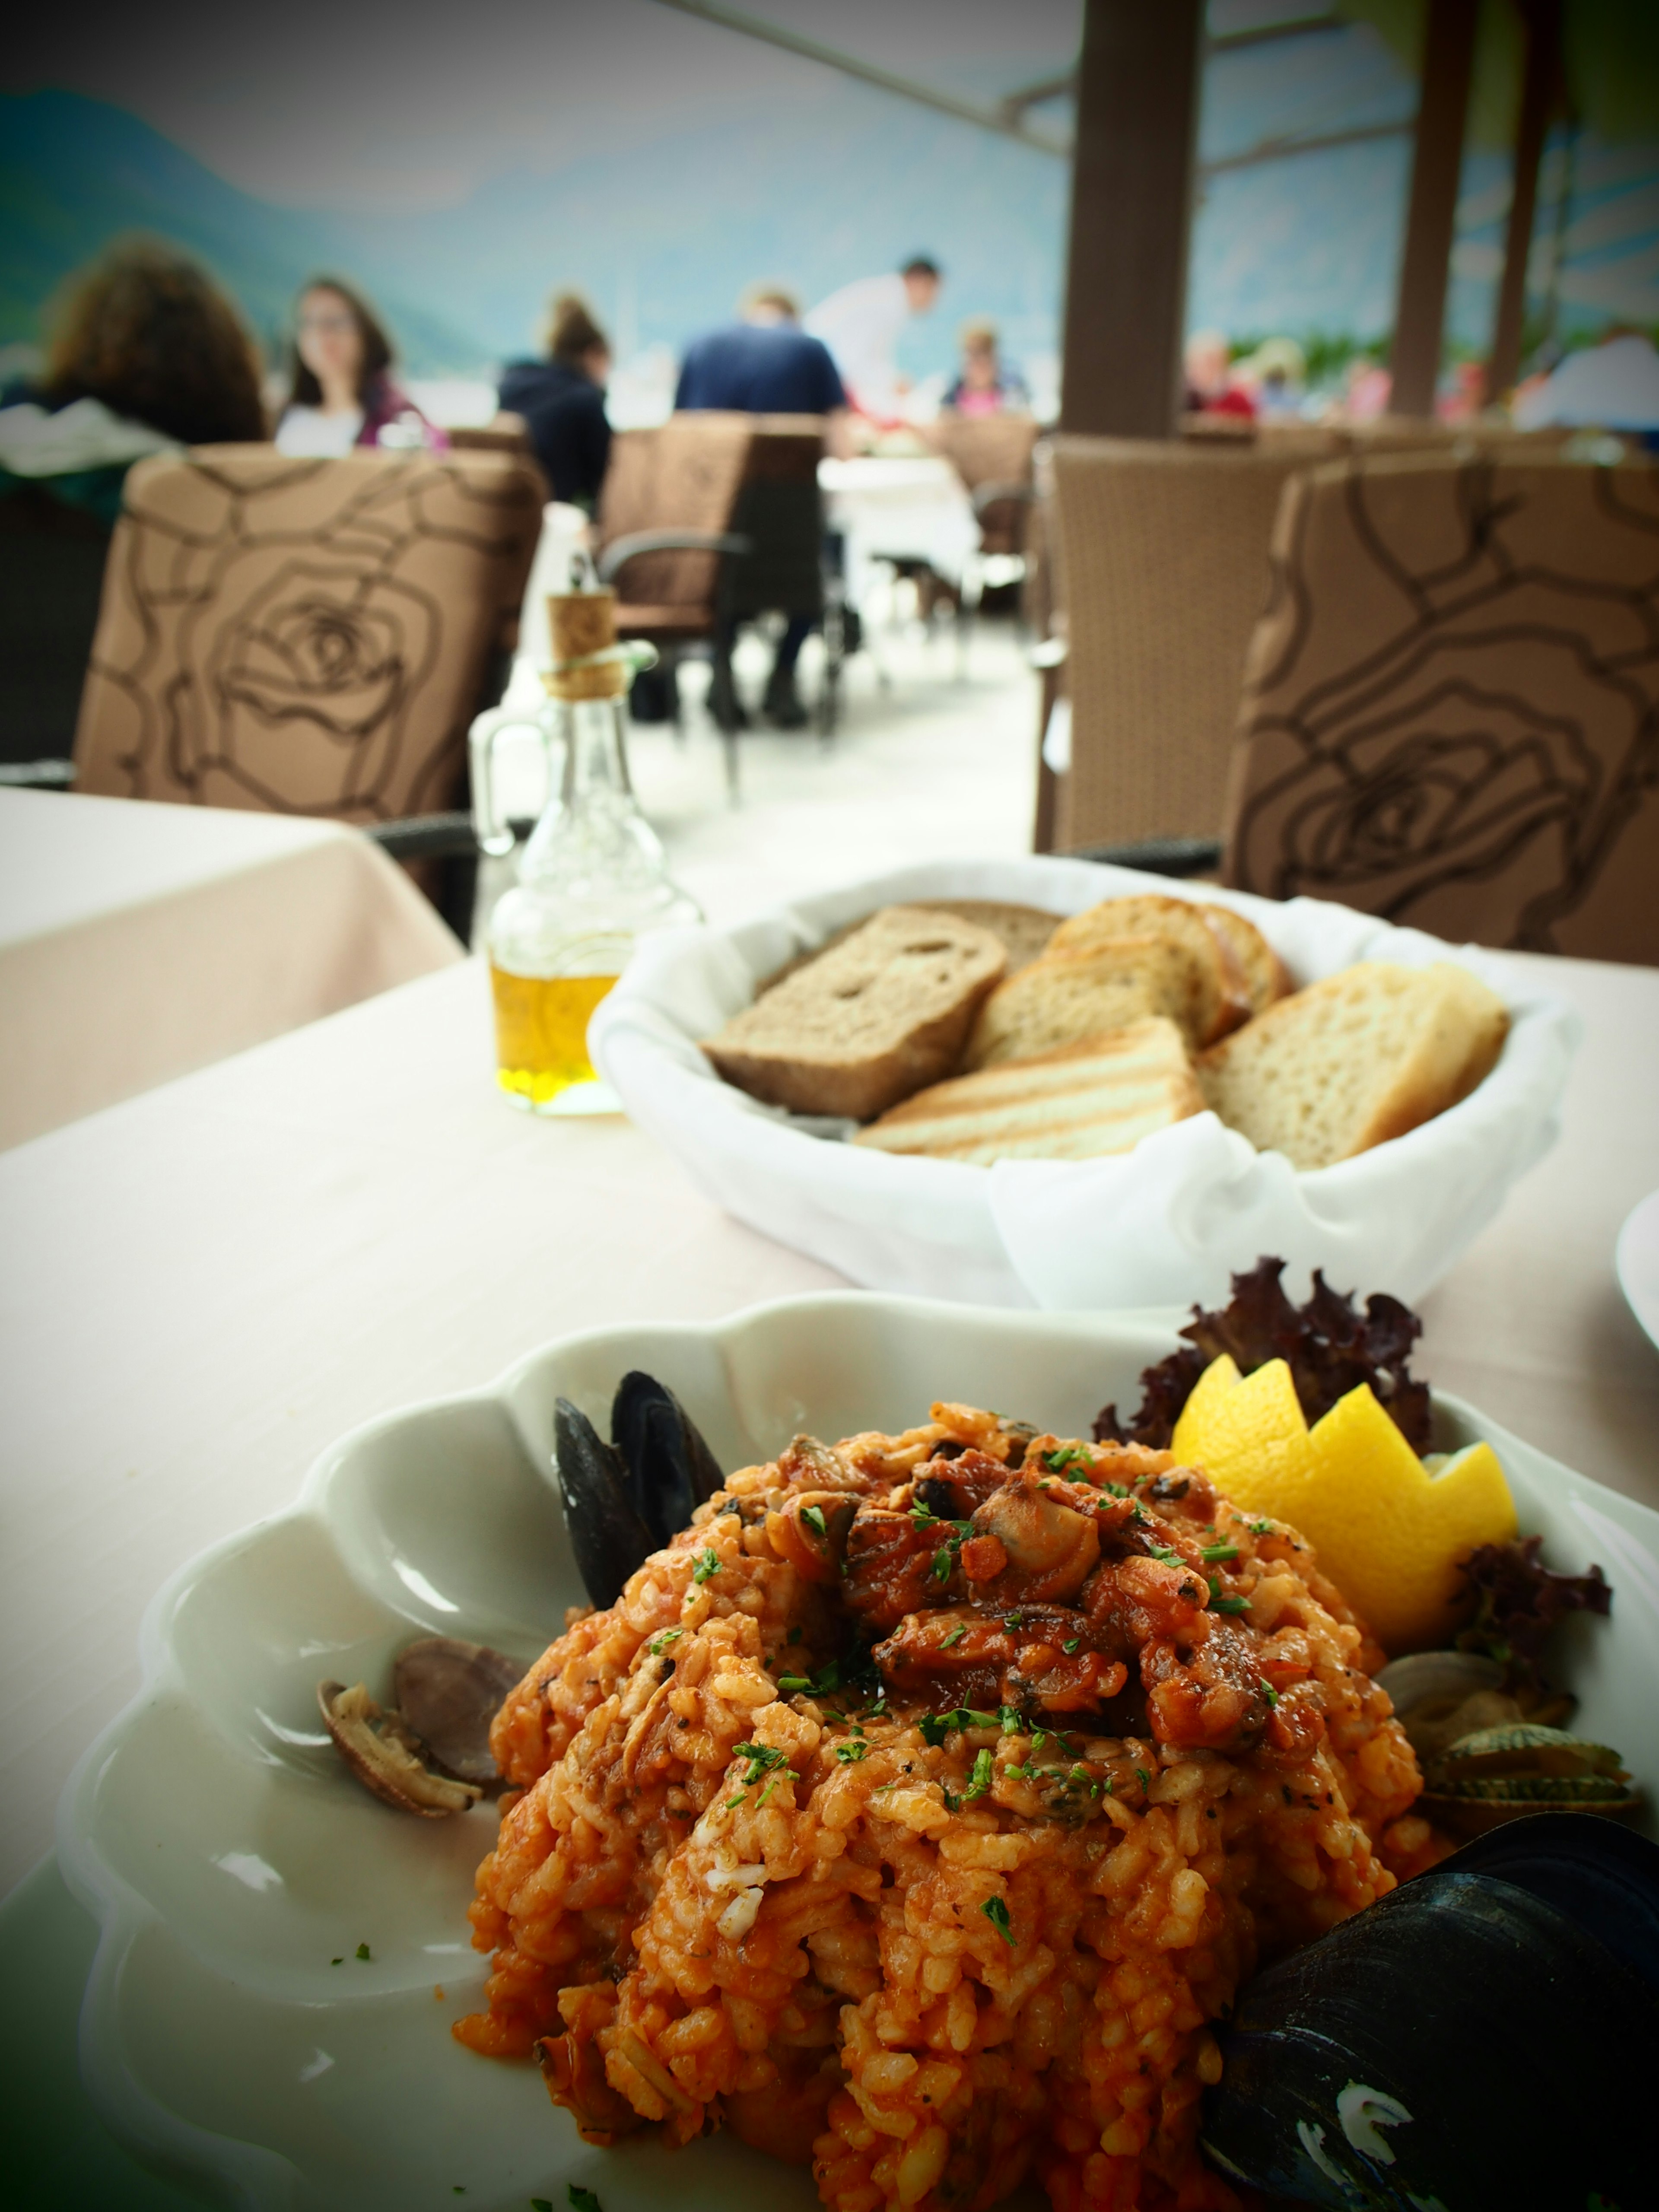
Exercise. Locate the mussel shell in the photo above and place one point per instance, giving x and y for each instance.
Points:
(1492, 2013)
(607, 1534)
(448, 1692)
(668, 1468)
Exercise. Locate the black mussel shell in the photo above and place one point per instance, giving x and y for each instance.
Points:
(670, 1469)
(448, 1692)
(1484, 2037)
(608, 1535)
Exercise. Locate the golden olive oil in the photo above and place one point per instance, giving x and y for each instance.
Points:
(540, 1034)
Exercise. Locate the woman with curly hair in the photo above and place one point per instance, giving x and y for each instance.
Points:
(147, 355)
(341, 393)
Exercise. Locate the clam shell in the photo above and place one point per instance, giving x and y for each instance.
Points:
(1433, 1677)
(447, 1693)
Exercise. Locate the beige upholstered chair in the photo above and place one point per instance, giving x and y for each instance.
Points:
(1164, 550)
(303, 636)
(1451, 709)
(665, 529)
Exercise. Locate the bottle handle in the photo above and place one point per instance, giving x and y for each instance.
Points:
(489, 825)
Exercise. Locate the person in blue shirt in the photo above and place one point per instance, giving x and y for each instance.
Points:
(766, 364)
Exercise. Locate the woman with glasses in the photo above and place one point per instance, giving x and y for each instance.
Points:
(341, 391)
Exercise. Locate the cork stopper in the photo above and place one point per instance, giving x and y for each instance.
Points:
(583, 625)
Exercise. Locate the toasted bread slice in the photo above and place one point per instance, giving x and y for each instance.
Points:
(1067, 996)
(882, 1013)
(1264, 974)
(1348, 1063)
(1220, 1000)
(1102, 1095)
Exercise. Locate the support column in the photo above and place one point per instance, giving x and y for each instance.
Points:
(1538, 92)
(1431, 219)
(1131, 194)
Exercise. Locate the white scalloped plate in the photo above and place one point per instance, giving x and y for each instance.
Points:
(230, 1859)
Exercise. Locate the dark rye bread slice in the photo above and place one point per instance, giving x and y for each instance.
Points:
(868, 1022)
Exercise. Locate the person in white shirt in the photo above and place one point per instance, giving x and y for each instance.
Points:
(860, 325)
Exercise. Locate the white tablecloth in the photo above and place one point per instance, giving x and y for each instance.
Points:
(139, 941)
(899, 509)
(203, 1287)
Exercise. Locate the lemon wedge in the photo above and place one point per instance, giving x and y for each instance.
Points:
(1390, 1530)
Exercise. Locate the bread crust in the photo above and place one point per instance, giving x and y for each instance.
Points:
(1221, 996)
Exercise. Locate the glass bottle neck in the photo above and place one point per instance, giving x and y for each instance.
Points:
(596, 751)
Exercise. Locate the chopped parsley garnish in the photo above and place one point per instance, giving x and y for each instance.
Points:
(955, 1637)
(979, 1781)
(1219, 1551)
(1220, 1604)
(790, 1683)
(1270, 1693)
(851, 1752)
(581, 2200)
(1117, 1489)
(362, 1951)
(708, 1563)
(1261, 1528)
(935, 1726)
(942, 1564)
(1071, 1643)
(814, 1514)
(1014, 1622)
(1143, 1778)
(1009, 1716)
(761, 1758)
(997, 1913)
(659, 1644)
(1067, 1455)
(923, 1515)
(340, 1962)
(1170, 1558)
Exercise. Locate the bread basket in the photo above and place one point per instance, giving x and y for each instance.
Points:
(1164, 1224)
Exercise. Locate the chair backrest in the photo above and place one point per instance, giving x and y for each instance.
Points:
(780, 510)
(991, 449)
(302, 636)
(1451, 708)
(683, 475)
(1164, 552)
(51, 577)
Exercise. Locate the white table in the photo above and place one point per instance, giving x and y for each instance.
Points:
(139, 941)
(898, 507)
(201, 1288)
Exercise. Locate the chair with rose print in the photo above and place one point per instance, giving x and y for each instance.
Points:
(1451, 715)
(304, 636)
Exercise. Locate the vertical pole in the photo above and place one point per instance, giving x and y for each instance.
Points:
(1543, 22)
(1431, 215)
(1132, 193)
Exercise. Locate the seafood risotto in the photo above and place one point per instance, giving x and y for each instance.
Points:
(919, 1808)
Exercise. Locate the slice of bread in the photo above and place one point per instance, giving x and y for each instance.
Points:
(1348, 1063)
(1102, 1096)
(1085, 992)
(1024, 932)
(1220, 1000)
(1264, 974)
(868, 1022)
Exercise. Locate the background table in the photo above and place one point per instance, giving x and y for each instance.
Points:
(898, 507)
(349, 1219)
(181, 934)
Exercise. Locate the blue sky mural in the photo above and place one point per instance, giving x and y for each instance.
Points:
(464, 163)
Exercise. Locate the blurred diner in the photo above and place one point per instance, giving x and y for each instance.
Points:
(984, 384)
(860, 325)
(341, 391)
(1210, 388)
(561, 401)
(146, 356)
